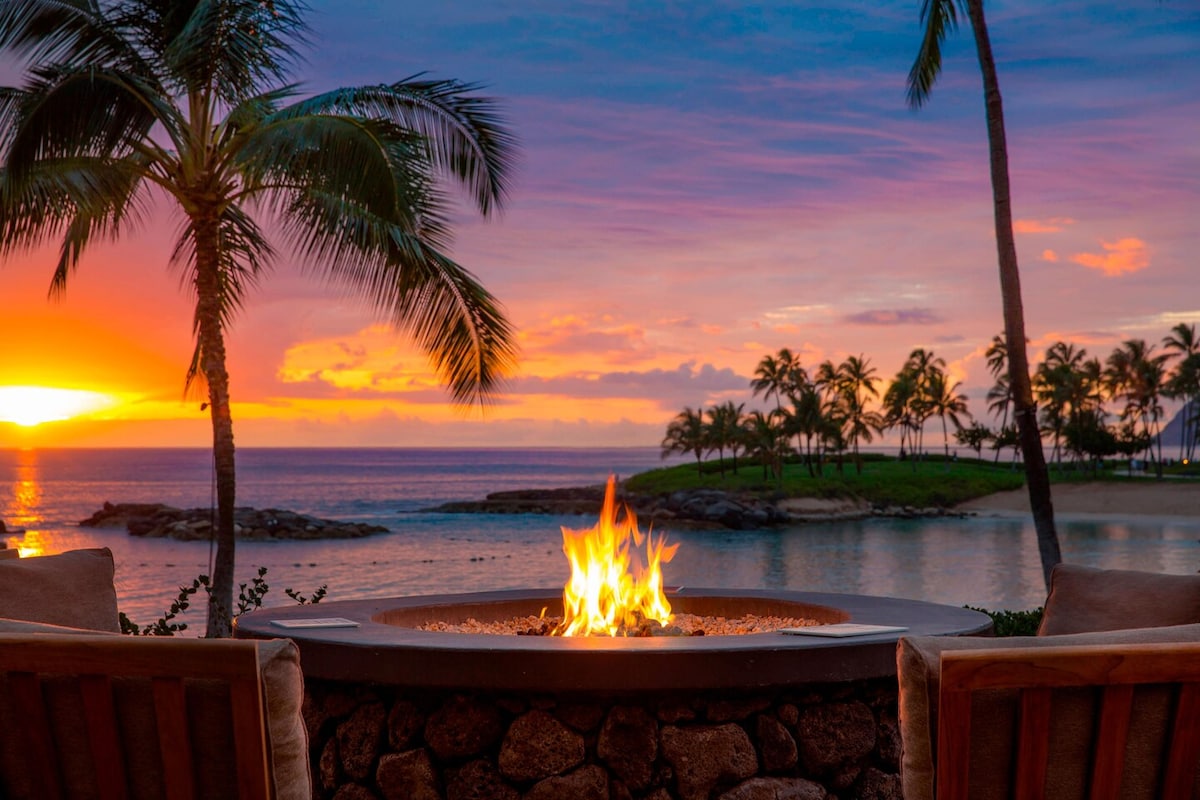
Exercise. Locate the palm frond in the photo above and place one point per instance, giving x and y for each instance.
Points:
(458, 324)
(232, 46)
(465, 134)
(104, 212)
(369, 163)
(454, 320)
(57, 195)
(937, 16)
(63, 31)
(65, 114)
(249, 112)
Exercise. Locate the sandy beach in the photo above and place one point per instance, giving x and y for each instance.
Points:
(1169, 498)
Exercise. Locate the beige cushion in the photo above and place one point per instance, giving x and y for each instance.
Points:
(1084, 599)
(283, 690)
(73, 589)
(21, 626)
(283, 686)
(918, 663)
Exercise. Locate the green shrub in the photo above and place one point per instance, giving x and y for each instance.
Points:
(1014, 623)
(250, 597)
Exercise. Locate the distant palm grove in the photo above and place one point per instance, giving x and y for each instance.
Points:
(1088, 409)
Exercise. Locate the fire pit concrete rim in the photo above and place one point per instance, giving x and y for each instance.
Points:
(388, 653)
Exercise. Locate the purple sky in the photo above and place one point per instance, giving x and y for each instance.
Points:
(702, 183)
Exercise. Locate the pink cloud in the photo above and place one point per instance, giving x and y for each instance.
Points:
(1052, 225)
(1120, 257)
(899, 316)
(1050, 255)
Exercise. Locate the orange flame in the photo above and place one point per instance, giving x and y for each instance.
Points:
(603, 597)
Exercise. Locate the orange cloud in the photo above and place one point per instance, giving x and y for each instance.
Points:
(374, 359)
(1052, 225)
(1119, 258)
(1050, 255)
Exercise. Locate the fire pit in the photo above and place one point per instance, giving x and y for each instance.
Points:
(387, 646)
(402, 712)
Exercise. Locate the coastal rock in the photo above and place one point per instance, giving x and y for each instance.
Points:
(583, 500)
(157, 521)
(690, 508)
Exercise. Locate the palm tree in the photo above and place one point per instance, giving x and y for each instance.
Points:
(898, 408)
(832, 414)
(129, 102)
(1000, 395)
(686, 434)
(1184, 385)
(804, 420)
(938, 16)
(946, 401)
(997, 356)
(766, 440)
(780, 375)
(1059, 385)
(924, 367)
(723, 430)
(999, 399)
(856, 380)
(1134, 373)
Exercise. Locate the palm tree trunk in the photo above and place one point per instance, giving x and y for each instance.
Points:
(1036, 476)
(1003, 425)
(212, 350)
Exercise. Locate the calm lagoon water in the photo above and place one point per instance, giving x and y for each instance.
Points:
(981, 561)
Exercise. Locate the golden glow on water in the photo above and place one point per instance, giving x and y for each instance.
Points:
(33, 544)
(27, 406)
(23, 509)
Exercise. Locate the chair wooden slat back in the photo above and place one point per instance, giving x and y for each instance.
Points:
(100, 719)
(1036, 672)
(93, 661)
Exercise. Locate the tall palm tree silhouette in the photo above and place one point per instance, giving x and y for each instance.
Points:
(939, 16)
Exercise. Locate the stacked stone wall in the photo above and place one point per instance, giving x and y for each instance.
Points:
(825, 742)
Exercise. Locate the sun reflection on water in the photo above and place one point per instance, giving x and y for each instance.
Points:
(23, 509)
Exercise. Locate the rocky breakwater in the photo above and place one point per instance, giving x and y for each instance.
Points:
(690, 508)
(696, 508)
(155, 520)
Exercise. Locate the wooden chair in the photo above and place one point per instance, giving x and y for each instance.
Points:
(1036, 673)
(180, 678)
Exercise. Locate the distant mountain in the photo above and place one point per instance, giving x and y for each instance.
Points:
(1173, 431)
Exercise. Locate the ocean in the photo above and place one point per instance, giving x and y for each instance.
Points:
(980, 561)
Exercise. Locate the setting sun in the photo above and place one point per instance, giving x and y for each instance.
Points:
(32, 405)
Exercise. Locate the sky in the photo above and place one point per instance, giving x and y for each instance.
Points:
(699, 185)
